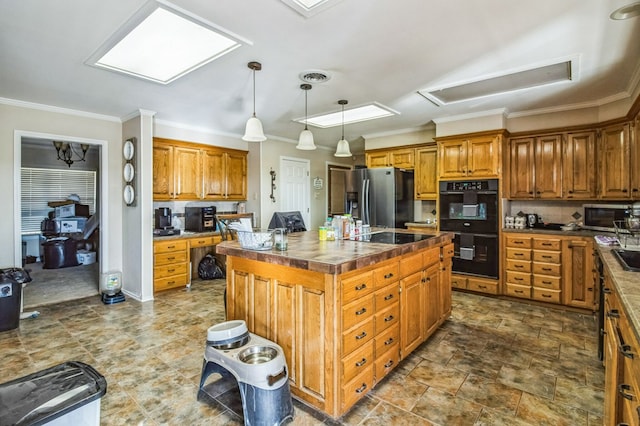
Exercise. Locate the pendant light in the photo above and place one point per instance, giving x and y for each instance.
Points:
(305, 142)
(342, 150)
(253, 131)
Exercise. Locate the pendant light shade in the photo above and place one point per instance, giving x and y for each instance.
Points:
(305, 142)
(253, 131)
(342, 150)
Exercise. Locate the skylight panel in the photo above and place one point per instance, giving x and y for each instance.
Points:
(162, 44)
(308, 8)
(363, 113)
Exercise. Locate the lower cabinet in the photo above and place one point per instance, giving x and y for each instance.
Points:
(477, 284)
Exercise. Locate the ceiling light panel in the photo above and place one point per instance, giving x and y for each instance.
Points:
(362, 113)
(162, 43)
(308, 8)
(534, 77)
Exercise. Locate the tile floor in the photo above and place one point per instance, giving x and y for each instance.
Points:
(493, 362)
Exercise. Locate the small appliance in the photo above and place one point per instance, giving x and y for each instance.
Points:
(532, 220)
(601, 217)
(163, 222)
(200, 219)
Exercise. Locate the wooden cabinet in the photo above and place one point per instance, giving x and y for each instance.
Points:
(546, 270)
(517, 276)
(635, 158)
(170, 264)
(476, 156)
(403, 158)
(577, 265)
(614, 167)
(535, 167)
(186, 171)
(476, 284)
(426, 178)
(579, 166)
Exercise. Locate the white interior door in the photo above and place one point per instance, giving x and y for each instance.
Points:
(294, 181)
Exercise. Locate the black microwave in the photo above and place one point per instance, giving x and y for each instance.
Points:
(601, 217)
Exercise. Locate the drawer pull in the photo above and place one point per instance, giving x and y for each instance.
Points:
(389, 275)
(518, 242)
(171, 282)
(388, 364)
(546, 269)
(546, 257)
(362, 362)
(361, 388)
(483, 287)
(518, 266)
(388, 341)
(546, 282)
(613, 313)
(389, 318)
(389, 297)
(547, 296)
(171, 247)
(361, 311)
(518, 279)
(361, 287)
(171, 258)
(546, 244)
(201, 242)
(622, 388)
(170, 270)
(361, 335)
(518, 254)
(519, 291)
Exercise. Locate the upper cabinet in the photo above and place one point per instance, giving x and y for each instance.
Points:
(635, 158)
(475, 156)
(614, 152)
(186, 171)
(579, 165)
(403, 158)
(535, 167)
(426, 179)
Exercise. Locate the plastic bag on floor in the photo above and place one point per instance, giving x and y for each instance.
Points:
(208, 268)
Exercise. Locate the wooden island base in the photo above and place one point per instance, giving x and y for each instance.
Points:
(345, 313)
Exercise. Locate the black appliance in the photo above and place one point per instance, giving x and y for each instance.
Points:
(292, 221)
(200, 219)
(469, 209)
(163, 225)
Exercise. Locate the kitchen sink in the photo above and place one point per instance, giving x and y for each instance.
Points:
(630, 260)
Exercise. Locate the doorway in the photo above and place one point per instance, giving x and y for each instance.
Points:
(61, 281)
(294, 181)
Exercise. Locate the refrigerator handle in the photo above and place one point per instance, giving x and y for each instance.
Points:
(367, 208)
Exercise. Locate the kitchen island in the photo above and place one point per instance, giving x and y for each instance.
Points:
(344, 312)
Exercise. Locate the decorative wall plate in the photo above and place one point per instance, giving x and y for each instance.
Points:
(129, 194)
(128, 150)
(128, 172)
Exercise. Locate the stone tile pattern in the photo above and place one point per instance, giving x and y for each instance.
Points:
(494, 362)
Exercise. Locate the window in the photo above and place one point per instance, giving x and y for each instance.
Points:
(40, 186)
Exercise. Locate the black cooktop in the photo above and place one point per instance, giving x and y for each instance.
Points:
(630, 260)
(397, 237)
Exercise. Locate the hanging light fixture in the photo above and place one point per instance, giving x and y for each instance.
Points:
(305, 142)
(342, 150)
(66, 152)
(253, 131)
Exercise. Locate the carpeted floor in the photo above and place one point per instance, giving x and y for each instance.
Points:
(50, 286)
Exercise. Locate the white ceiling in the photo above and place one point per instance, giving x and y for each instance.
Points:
(375, 50)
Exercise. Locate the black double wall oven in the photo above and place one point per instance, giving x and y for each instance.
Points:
(469, 209)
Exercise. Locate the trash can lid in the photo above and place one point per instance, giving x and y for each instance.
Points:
(48, 394)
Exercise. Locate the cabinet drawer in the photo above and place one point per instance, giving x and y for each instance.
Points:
(518, 254)
(358, 361)
(169, 270)
(201, 242)
(357, 286)
(546, 256)
(358, 387)
(458, 282)
(484, 286)
(551, 269)
(411, 264)
(170, 282)
(518, 278)
(169, 258)
(545, 282)
(386, 274)
(516, 290)
(386, 339)
(521, 242)
(552, 296)
(357, 311)
(168, 246)
(546, 244)
(518, 265)
(356, 337)
(387, 318)
(387, 296)
(448, 251)
(387, 362)
(431, 256)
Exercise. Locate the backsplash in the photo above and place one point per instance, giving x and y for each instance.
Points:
(549, 211)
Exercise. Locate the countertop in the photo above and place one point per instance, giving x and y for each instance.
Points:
(305, 251)
(577, 233)
(185, 234)
(431, 225)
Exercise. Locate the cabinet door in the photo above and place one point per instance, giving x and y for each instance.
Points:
(635, 160)
(521, 168)
(452, 158)
(162, 171)
(236, 176)
(213, 174)
(483, 157)
(579, 165)
(403, 158)
(578, 278)
(445, 287)
(432, 299)
(548, 160)
(188, 178)
(426, 178)
(614, 162)
(377, 159)
(411, 314)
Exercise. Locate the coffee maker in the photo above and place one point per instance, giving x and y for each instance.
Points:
(163, 222)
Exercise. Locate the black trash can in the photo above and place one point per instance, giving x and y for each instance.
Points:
(66, 394)
(10, 298)
(60, 253)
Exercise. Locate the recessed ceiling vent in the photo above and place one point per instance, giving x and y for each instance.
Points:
(314, 76)
(533, 77)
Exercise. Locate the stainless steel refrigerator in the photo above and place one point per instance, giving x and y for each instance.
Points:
(380, 196)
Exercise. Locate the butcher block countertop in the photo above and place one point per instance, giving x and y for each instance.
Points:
(305, 251)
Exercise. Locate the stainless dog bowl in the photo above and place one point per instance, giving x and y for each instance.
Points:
(257, 354)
